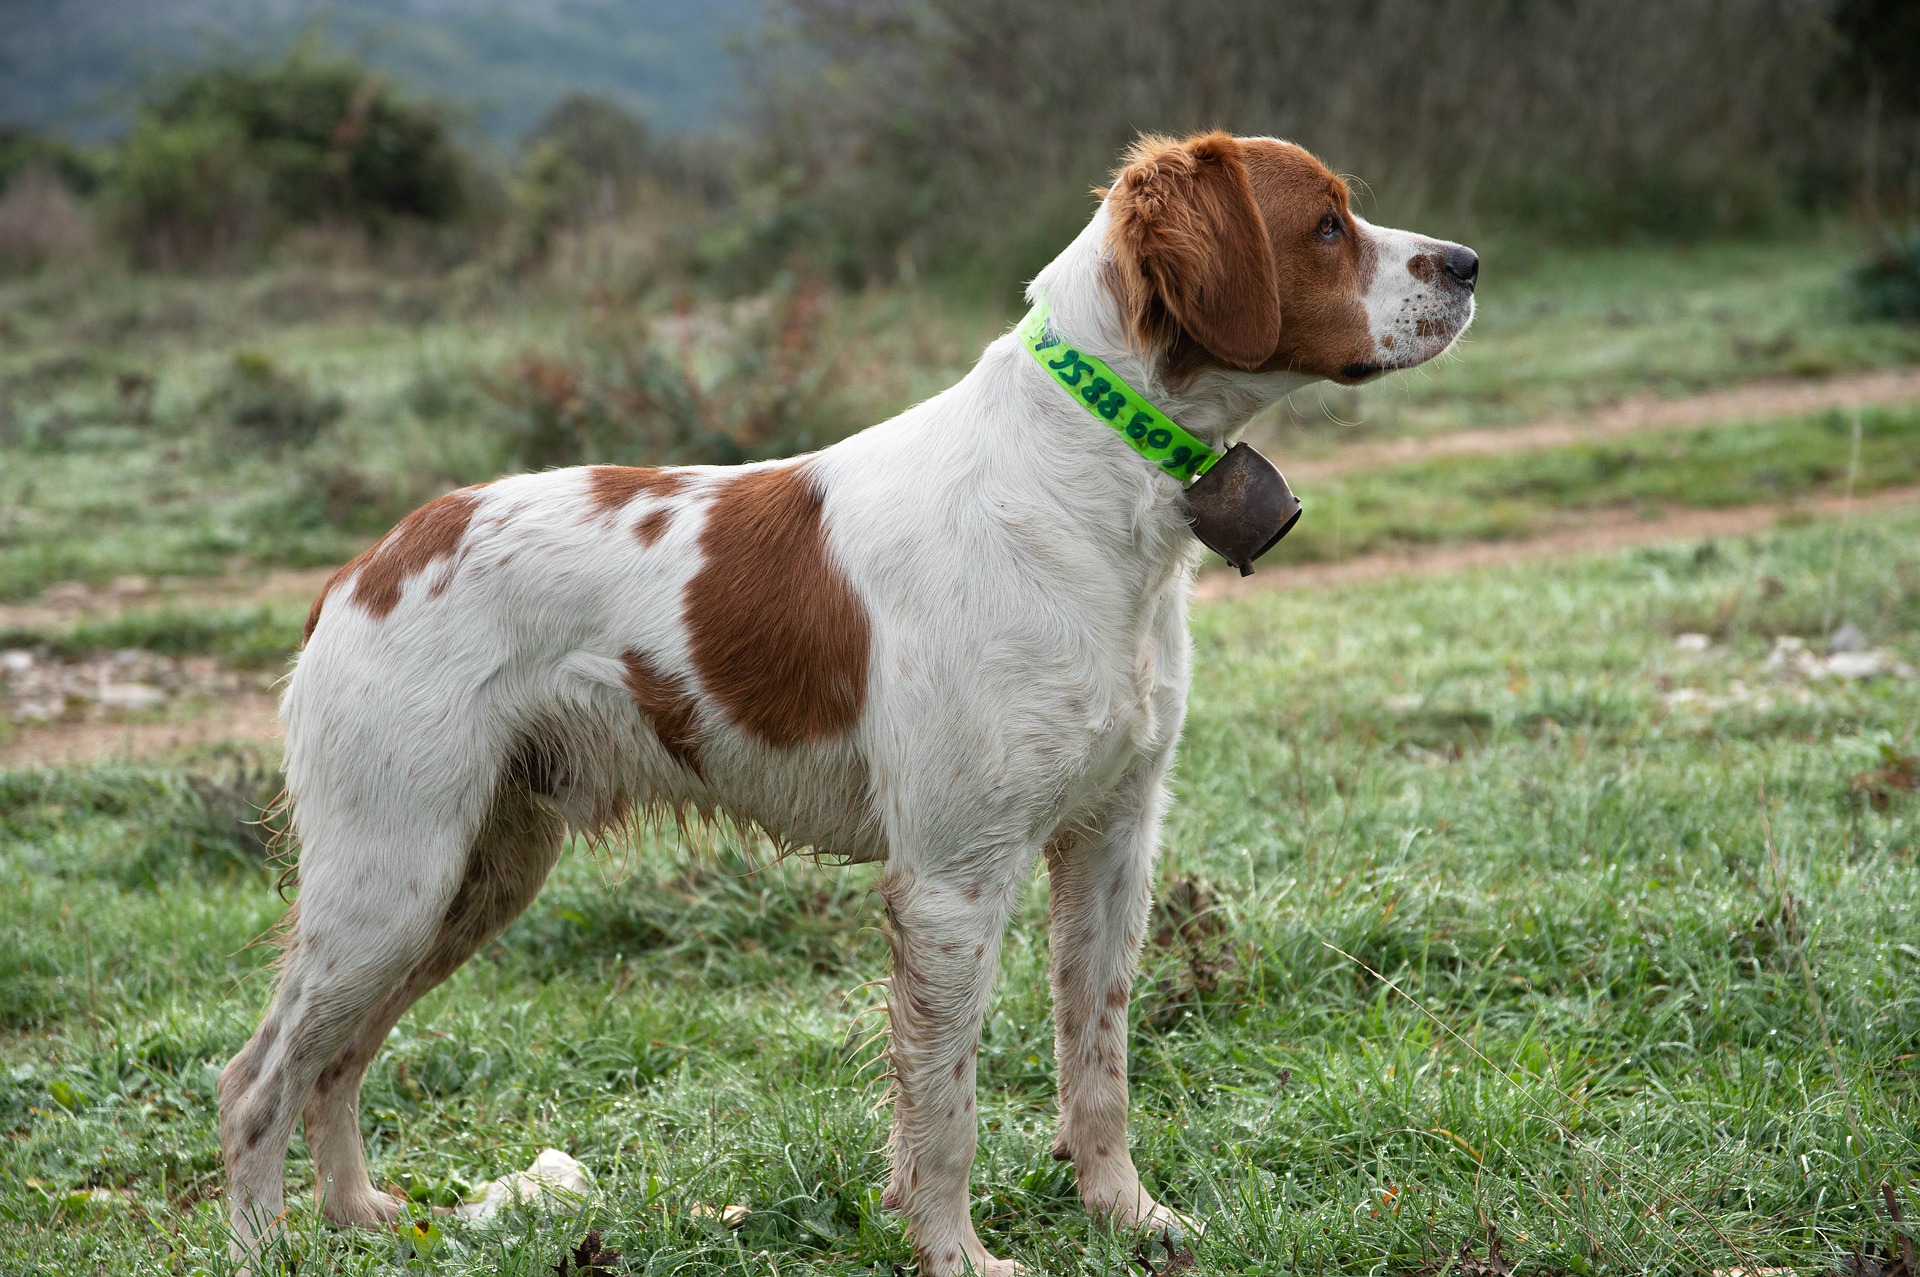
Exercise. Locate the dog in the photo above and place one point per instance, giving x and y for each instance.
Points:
(954, 643)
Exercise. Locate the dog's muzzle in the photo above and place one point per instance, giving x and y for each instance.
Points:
(1241, 507)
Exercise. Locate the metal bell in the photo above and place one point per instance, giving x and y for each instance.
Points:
(1241, 507)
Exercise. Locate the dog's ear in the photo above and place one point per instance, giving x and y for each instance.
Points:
(1191, 249)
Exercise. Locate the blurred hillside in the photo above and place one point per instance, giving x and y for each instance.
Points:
(77, 65)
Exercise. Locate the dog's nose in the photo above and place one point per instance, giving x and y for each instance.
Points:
(1463, 264)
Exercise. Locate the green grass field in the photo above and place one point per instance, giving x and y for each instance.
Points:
(1489, 906)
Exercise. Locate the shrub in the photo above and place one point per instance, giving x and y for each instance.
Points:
(24, 152)
(1887, 284)
(228, 157)
(591, 158)
(654, 390)
(187, 192)
(262, 403)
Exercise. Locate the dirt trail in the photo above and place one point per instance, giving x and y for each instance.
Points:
(250, 719)
(65, 604)
(1609, 531)
(1754, 401)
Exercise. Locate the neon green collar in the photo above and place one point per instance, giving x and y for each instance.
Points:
(1100, 390)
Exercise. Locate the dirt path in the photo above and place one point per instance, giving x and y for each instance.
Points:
(1611, 531)
(250, 719)
(1754, 401)
(65, 604)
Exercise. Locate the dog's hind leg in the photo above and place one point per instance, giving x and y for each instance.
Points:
(375, 887)
(505, 868)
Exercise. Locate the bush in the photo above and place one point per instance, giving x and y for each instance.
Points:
(591, 158)
(23, 152)
(227, 158)
(653, 390)
(1887, 284)
(261, 403)
(187, 192)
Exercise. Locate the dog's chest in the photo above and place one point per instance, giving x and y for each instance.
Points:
(1145, 688)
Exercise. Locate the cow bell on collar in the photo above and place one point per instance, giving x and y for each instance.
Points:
(1241, 506)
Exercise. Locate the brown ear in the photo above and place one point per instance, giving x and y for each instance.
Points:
(1192, 250)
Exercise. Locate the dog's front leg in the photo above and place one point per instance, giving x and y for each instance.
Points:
(945, 933)
(1099, 885)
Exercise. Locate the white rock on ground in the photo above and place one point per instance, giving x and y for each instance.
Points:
(554, 1181)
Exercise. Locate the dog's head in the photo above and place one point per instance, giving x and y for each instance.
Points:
(1243, 253)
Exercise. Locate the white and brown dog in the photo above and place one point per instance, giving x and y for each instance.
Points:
(952, 643)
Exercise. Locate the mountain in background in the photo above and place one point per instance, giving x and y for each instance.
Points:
(76, 66)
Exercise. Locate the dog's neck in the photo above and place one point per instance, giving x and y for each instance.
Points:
(1088, 484)
(1215, 404)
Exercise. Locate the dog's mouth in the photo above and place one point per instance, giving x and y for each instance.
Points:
(1421, 337)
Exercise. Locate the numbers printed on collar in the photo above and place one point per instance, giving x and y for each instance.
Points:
(1101, 391)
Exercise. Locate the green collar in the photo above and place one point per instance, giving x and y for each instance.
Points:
(1147, 430)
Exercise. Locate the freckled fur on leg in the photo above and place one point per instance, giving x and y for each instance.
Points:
(936, 1002)
(332, 978)
(1096, 932)
(509, 863)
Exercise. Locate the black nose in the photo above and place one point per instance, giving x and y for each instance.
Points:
(1463, 264)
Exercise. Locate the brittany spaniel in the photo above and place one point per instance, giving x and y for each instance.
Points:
(953, 643)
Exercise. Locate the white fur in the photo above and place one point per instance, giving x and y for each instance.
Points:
(1025, 576)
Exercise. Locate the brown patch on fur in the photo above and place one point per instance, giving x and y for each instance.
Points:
(669, 707)
(431, 533)
(1425, 267)
(1323, 286)
(609, 488)
(653, 526)
(1191, 249)
(777, 634)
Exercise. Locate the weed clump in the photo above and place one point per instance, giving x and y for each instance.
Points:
(264, 404)
(688, 388)
(1887, 284)
(42, 222)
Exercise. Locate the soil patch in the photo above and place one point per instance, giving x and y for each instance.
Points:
(1756, 401)
(1613, 531)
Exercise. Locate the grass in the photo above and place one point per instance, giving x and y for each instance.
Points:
(115, 458)
(1477, 925)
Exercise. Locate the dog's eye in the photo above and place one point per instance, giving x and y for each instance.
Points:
(1329, 228)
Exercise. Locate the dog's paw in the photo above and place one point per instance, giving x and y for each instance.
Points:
(369, 1208)
(966, 1260)
(1163, 1218)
